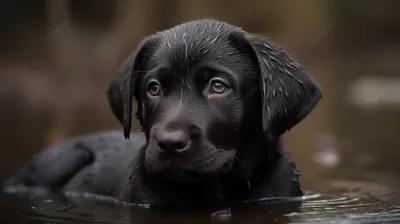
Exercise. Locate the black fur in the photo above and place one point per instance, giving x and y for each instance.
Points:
(200, 146)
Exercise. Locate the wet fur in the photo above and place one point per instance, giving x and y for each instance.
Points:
(274, 94)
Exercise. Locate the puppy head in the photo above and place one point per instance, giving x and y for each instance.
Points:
(204, 90)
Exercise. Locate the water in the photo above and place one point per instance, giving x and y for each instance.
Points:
(315, 209)
(352, 202)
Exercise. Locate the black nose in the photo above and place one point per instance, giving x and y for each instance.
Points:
(172, 141)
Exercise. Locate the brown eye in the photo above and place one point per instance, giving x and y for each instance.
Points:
(218, 87)
(153, 88)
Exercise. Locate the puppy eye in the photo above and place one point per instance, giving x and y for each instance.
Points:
(218, 87)
(153, 88)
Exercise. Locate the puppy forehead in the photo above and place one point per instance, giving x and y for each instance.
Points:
(195, 43)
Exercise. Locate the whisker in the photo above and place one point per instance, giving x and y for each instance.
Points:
(140, 71)
(241, 162)
(223, 147)
(138, 155)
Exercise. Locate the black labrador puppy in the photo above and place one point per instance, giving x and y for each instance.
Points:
(213, 102)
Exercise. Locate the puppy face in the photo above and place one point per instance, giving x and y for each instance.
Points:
(193, 104)
(205, 90)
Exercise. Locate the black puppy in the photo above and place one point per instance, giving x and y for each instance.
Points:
(213, 102)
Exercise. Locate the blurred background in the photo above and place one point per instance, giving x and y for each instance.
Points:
(57, 58)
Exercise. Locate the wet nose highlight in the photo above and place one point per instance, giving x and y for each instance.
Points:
(172, 141)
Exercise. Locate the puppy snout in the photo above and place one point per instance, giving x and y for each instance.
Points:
(172, 141)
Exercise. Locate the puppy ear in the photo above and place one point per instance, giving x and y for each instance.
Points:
(123, 88)
(288, 94)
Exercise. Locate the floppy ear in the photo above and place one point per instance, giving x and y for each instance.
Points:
(288, 94)
(122, 89)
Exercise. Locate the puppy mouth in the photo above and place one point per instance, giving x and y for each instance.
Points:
(191, 168)
(177, 174)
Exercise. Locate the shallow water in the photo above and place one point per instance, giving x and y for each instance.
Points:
(345, 206)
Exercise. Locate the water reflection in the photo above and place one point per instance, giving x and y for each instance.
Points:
(349, 210)
(316, 208)
(60, 209)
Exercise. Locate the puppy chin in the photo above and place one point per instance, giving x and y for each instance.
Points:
(170, 171)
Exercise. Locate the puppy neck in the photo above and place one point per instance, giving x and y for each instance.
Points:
(257, 153)
(270, 175)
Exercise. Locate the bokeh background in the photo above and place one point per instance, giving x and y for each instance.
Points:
(57, 58)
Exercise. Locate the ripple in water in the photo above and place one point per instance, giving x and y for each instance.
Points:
(316, 208)
(325, 209)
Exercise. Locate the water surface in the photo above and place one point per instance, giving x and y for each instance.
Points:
(351, 201)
